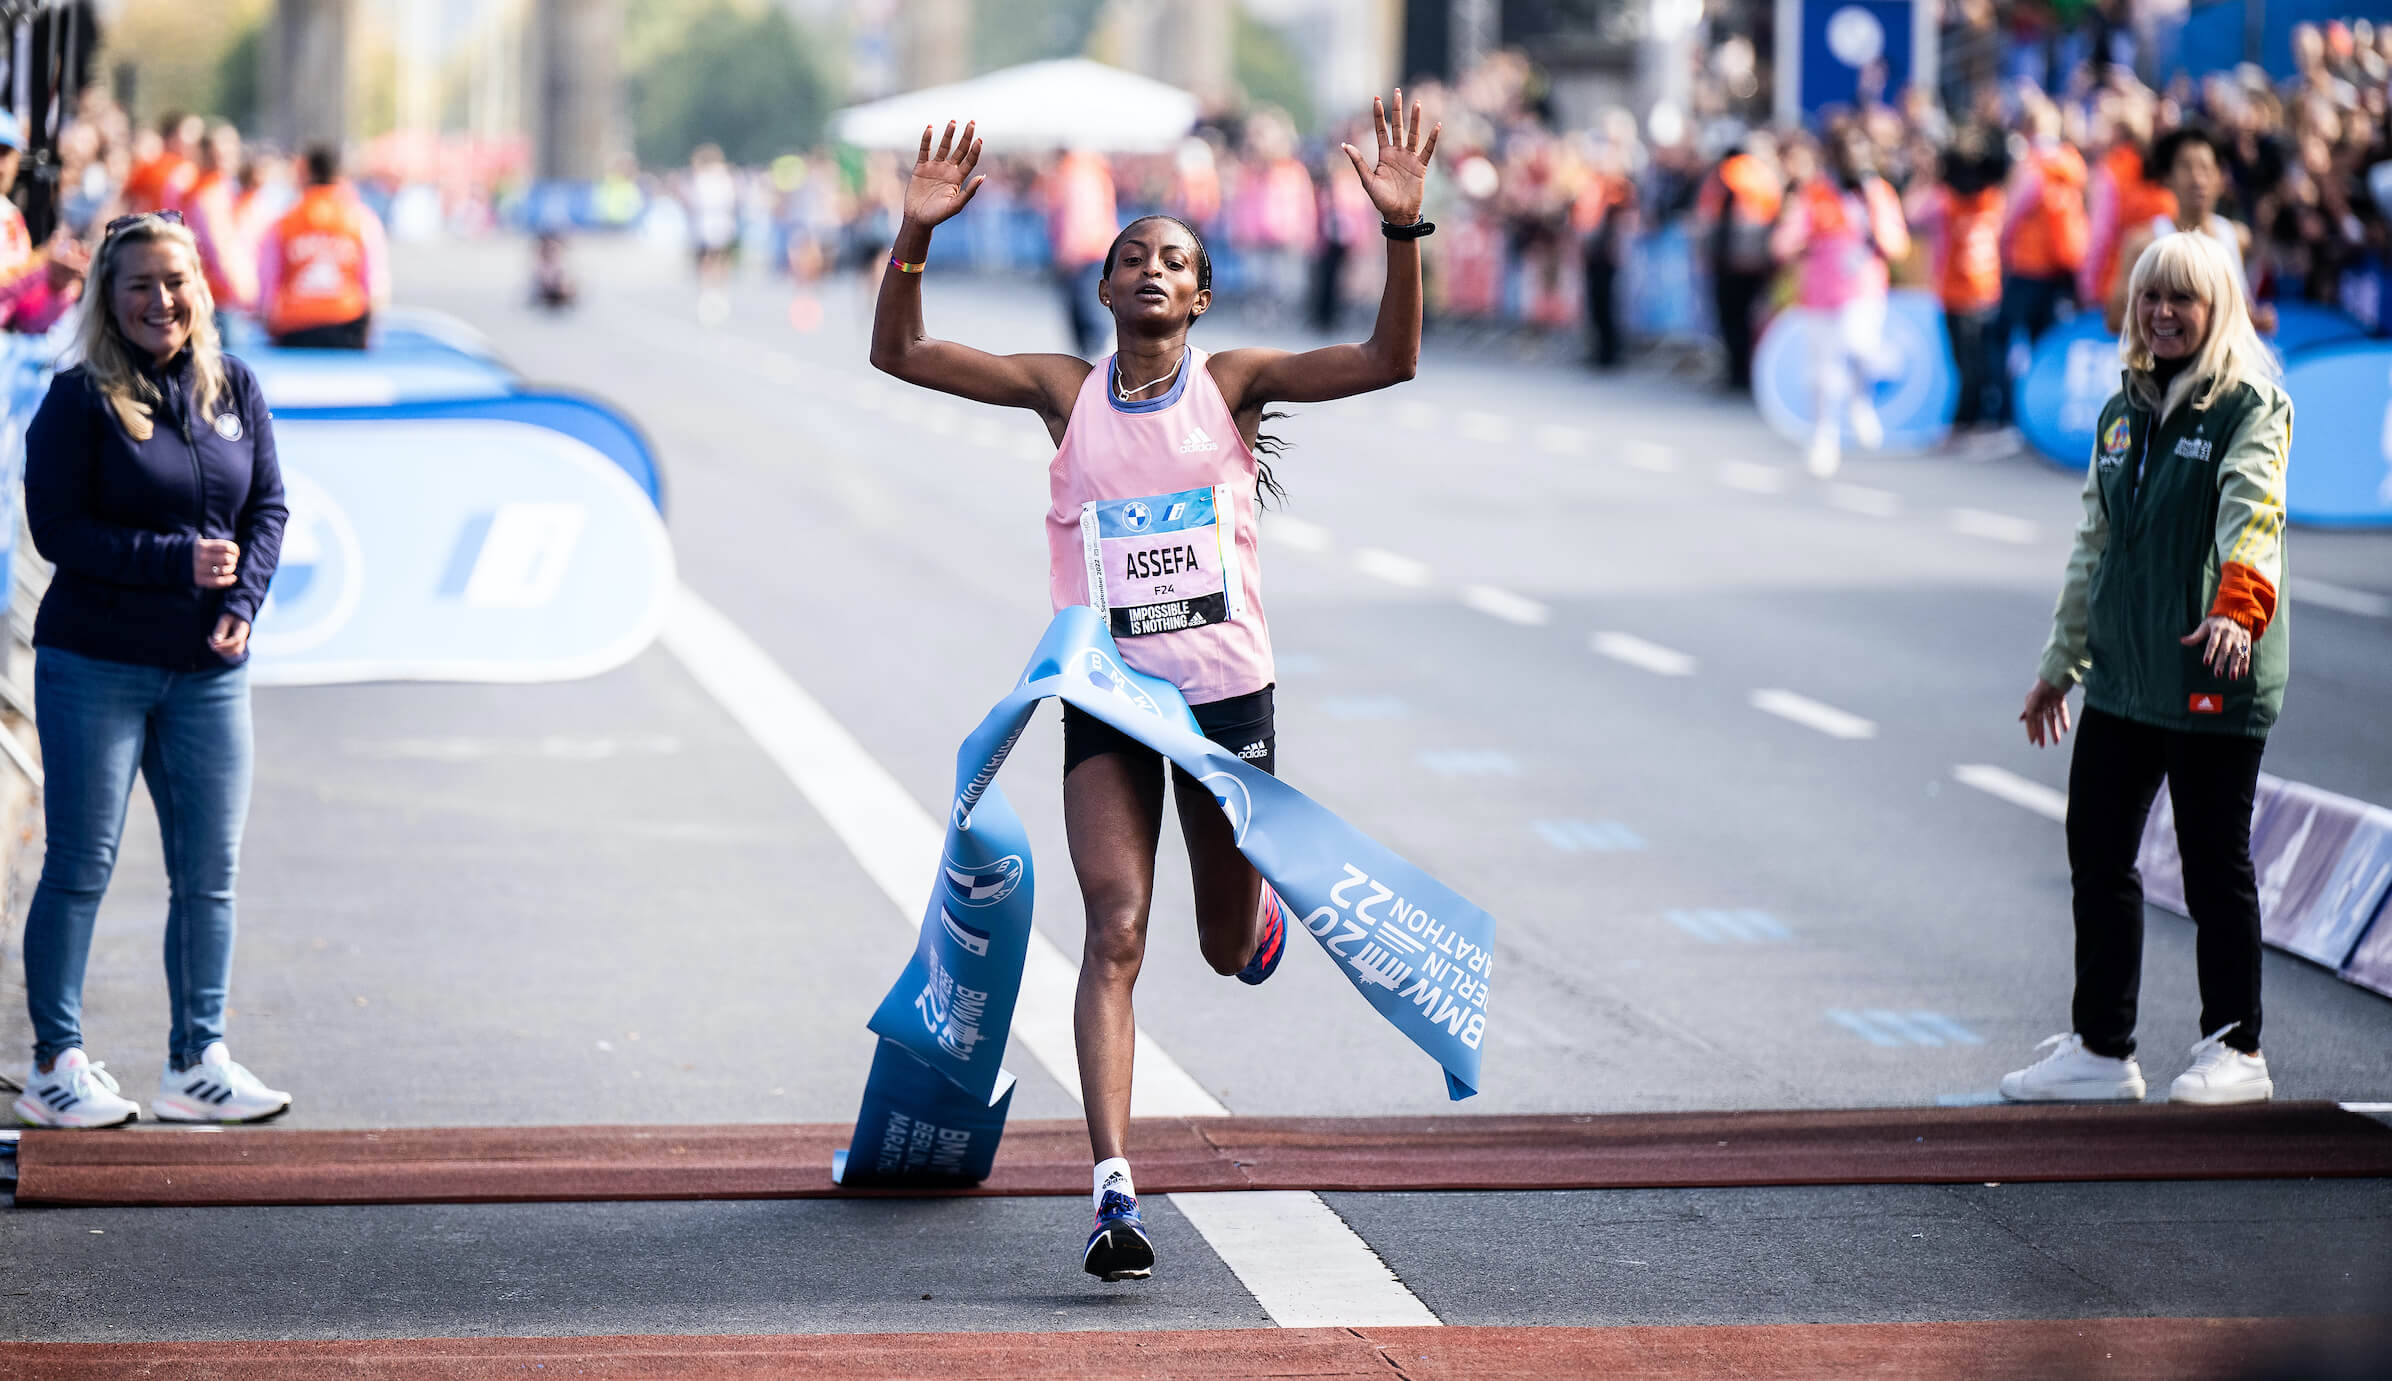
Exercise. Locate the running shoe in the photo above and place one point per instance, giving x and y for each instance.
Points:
(1274, 942)
(1119, 1248)
(216, 1090)
(2073, 1074)
(1827, 451)
(77, 1093)
(1867, 428)
(2222, 1074)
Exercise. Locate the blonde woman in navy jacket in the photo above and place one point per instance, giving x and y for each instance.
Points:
(151, 484)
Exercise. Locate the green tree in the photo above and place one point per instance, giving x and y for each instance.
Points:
(1270, 70)
(744, 80)
(240, 92)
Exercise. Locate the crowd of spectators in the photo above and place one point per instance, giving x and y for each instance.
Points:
(2018, 198)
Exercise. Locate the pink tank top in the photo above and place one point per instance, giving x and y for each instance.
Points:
(1153, 525)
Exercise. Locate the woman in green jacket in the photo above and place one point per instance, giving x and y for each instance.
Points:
(2169, 616)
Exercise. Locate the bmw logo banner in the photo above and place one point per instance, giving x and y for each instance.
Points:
(1415, 950)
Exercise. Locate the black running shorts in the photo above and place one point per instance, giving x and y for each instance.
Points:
(1242, 724)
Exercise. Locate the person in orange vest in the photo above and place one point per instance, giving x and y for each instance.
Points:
(1960, 215)
(2045, 232)
(211, 208)
(158, 183)
(325, 266)
(1733, 212)
(1081, 223)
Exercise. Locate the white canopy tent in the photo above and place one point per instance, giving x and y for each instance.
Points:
(1069, 103)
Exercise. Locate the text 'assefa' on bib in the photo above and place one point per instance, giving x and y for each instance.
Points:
(1164, 562)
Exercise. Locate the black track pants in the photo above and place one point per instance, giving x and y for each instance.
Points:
(2212, 780)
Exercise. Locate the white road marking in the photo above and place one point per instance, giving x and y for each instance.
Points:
(2017, 790)
(1301, 1262)
(1714, 925)
(1361, 706)
(1295, 533)
(1645, 455)
(2339, 597)
(1470, 762)
(1588, 836)
(1394, 569)
(1879, 1026)
(557, 747)
(1993, 527)
(895, 839)
(1564, 441)
(1753, 478)
(1485, 427)
(1636, 652)
(1810, 714)
(1860, 498)
(1503, 604)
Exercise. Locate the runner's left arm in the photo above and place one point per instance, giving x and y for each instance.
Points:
(1251, 378)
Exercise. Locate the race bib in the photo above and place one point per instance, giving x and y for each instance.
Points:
(1164, 562)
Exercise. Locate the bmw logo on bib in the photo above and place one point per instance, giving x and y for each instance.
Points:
(1136, 516)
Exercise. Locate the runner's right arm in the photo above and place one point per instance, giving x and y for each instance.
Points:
(902, 347)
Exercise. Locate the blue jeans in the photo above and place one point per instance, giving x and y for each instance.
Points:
(187, 733)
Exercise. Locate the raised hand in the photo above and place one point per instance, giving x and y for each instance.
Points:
(942, 182)
(1403, 166)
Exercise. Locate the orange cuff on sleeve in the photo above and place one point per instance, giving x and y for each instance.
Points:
(2245, 596)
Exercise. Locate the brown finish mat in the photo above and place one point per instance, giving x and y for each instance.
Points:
(2031, 1350)
(1642, 1150)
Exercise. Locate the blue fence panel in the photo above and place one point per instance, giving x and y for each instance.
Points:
(586, 420)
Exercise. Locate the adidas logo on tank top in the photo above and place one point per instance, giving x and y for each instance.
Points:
(1196, 440)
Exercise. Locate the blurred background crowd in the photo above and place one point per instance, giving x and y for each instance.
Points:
(1618, 175)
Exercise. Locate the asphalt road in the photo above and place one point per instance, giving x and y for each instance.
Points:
(599, 902)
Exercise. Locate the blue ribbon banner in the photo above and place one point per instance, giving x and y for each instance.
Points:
(934, 1106)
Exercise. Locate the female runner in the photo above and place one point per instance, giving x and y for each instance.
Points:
(1155, 446)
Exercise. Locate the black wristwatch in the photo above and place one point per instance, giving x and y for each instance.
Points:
(1414, 231)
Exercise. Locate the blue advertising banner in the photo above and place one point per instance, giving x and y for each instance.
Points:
(2075, 369)
(373, 378)
(2341, 474)
(1417, 952)
(1914, 400)
(457, 550)
(1845, 43)
(586, 420)
(2069, 379)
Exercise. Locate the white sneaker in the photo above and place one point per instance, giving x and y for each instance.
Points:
(2222, 1074)
(76, 1093)
(2073, 1074)
(1827, 451)
(1867, 429)
(216, 1090)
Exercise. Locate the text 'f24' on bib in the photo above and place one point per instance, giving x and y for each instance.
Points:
(1162, 563)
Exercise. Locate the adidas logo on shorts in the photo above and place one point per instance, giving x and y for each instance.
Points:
(1257, 749)
(1196, 440)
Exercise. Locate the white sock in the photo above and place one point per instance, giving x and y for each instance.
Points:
(1113, 1174)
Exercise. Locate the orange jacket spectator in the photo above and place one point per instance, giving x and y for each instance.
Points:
(1080, 216)
(2046, 229)
(324, 263)
(1968, 270)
